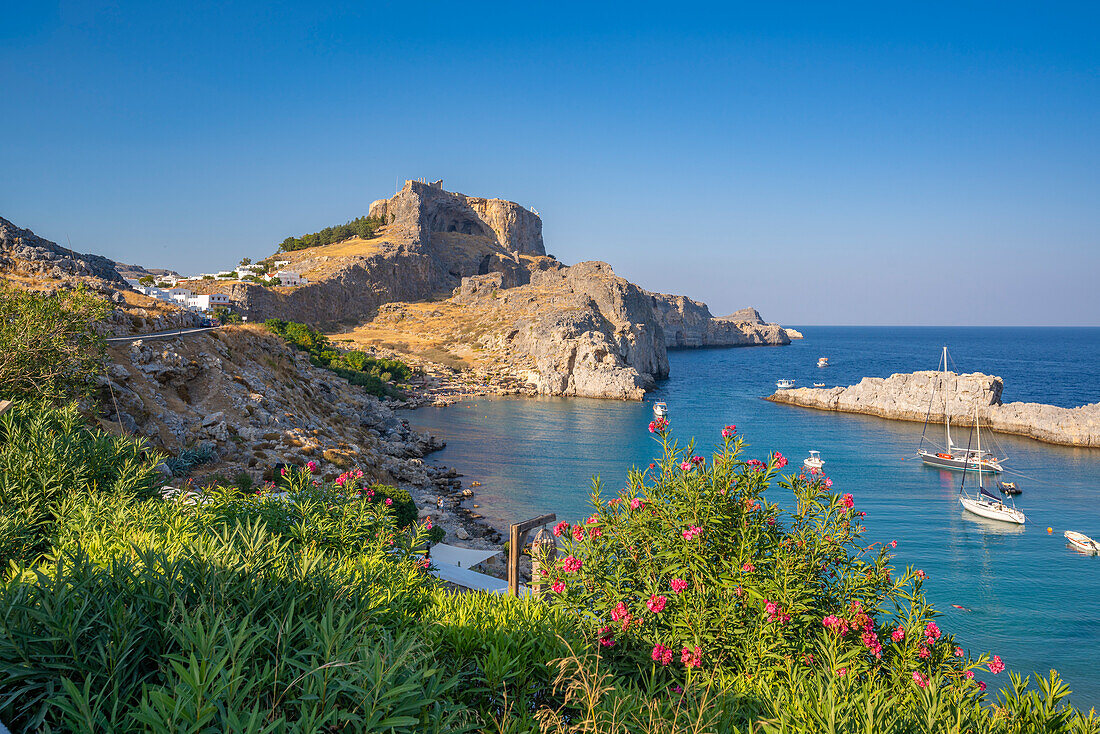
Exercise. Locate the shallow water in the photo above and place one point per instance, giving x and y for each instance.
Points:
(1034, 601)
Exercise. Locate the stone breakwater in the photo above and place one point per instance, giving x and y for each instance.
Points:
(906, 397)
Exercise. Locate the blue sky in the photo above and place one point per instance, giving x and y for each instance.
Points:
(875, 163)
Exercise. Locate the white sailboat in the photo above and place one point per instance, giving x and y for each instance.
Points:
(985, 503)
(952, 457)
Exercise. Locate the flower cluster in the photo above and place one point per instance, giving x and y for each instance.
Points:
(348, 479)
(779, 459)
(678, 585)
(775, 612)
(661, 654)
(692, 532)
(656, 603)
(729, 431)
(658, 425)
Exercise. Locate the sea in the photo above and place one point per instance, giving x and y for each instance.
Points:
(1025, 594)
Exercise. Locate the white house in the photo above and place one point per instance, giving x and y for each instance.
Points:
(290, 277)
(180, 295)
(207, 302)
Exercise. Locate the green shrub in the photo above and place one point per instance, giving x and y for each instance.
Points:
(370, 373)
(47, 348)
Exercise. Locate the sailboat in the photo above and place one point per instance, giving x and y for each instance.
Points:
(952, 457)
(984, 502)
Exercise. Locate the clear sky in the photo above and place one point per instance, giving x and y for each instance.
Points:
(875, 163)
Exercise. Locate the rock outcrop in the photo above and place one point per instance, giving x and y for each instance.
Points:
(423, 209)
(689, 323)
(907, 397)
(588, 332)
(21, 250)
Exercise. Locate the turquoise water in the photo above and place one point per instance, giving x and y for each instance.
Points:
(1034, 601)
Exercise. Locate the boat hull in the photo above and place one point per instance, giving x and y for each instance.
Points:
(956, 464)
(992, 511)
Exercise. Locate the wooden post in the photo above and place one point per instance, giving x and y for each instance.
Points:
(543, 551)
(517, 536)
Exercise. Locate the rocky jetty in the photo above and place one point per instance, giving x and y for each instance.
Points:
(22, 251)
(689, 324)
(907, 396)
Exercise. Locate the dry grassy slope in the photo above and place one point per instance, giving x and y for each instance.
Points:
(260, 402)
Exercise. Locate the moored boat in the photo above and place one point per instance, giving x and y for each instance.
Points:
(819, 384)
(814, 461)
(984, 503)
(1081, 542)
(822, 361)
(951, 456)
(784, 384)
(660, 410)
(1010, 488)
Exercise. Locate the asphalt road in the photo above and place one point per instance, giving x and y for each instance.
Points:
(171, 334)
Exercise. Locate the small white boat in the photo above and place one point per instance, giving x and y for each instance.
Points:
(822, 361)
(814, 461)
(660, 410)
(1082, 542)
(819, 384)
(784, 384)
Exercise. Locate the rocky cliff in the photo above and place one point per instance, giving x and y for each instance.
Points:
(908, 396)
(21, 250)
(422, 210)
(689, 323)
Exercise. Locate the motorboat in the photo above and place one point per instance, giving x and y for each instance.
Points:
(784, 384)
(951, 456)
(1082, 542)
(984, 503)
(819, 384)
(814, 461)
(660, 410)
(1010, 488)
(822, 361)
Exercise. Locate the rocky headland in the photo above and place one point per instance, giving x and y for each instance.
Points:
(908, 396)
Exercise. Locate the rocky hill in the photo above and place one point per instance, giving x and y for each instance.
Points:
(22, 251)
(909, 396)
(689, 323)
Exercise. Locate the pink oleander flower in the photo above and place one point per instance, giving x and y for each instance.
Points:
(958, 652)
(678, 585)
(661, 654)
(697, 460)
(595, 532)
(739, 591)
(893, 544)
(775, 612)
(841, 672)
(312, 466)
(828, 483)
(692, 532)
(428, 523)
(677, 689)
(653, 426)
(847, 501)
(424, 562)
(578, 533)
(656, 603)
(748, 568)
(727, 433)
(870, 641)
(658, 425)
(981, 686)
(932, 632)
(898, 635)
(571, 564)
(340, 480)
(996, 665)
(557, 587)
(691, 657)
(636, 503)
(284, 471)
(591, 520)
(755, 465)
(969, 674)
(924, 652)
(685, 466)
(921, 574)
(560, 528)
(919, 679)
(389, 501)
(619, 612)
(607, 642)
(835, 624)
(780, 460)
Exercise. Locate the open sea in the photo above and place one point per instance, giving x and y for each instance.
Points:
(1031, 599)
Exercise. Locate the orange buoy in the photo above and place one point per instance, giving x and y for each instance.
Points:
(1049, 530)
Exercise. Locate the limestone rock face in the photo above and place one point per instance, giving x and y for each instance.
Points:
(689, 323)
(588, 332)
(23, 250)
(907, 396)
(423, 209)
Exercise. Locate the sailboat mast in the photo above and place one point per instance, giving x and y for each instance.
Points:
(946, 414)
(978, 429)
